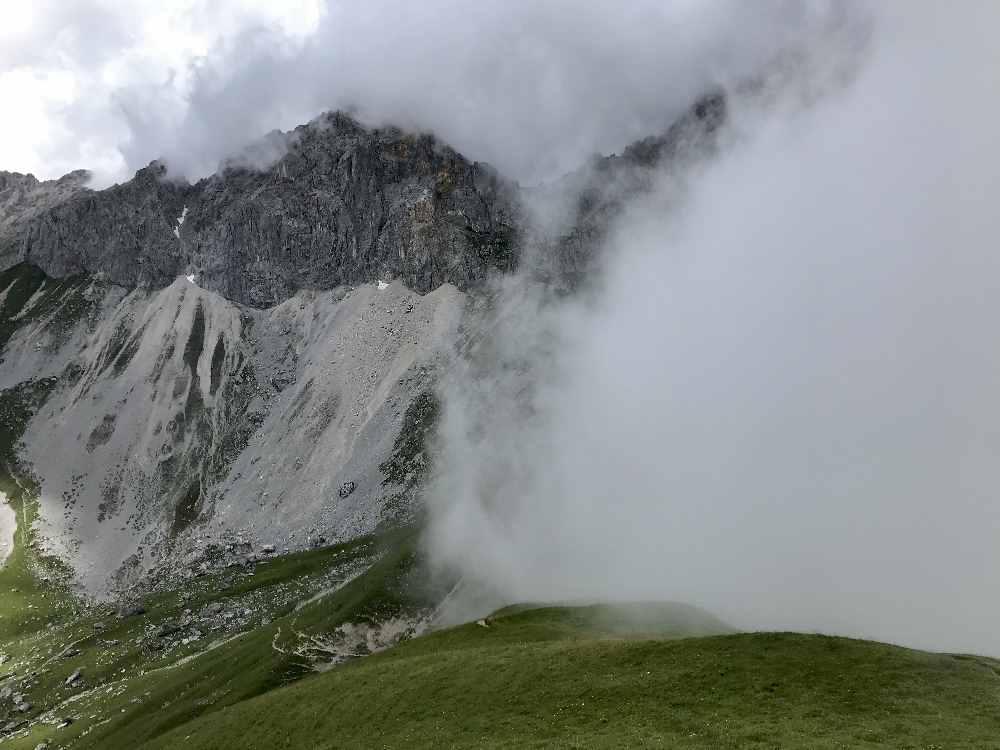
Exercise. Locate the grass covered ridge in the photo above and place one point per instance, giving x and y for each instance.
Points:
(650, 675)
(656, 675)
(546, 678)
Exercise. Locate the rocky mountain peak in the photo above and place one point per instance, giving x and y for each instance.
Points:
(343, 204)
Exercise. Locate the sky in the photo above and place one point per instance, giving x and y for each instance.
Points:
(73, 72)
(533, 87)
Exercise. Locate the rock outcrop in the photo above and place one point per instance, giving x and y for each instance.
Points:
(23, 198)
(343, 205)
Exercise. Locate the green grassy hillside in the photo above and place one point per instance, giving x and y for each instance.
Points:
(544, 678)
(222, 639)
(267, 657)
(643, 675)
(244, 658)
(598, 676)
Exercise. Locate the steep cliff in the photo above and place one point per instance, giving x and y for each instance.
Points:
(342, 205)
(251, 360)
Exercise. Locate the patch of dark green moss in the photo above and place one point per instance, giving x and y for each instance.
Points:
(300, 400)
(62, 303)
(186, 510)
(234, 442)
(72, 303)
(17, 405)
(196, 339)
(21, 282)
(166, 354)
(115, 343)
(128, 352)
(101, 434)
(218, 360)
(409, 460)
(110, 499)
(235, 420)
(322, 416)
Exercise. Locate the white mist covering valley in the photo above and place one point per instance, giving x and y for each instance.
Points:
(783, 403)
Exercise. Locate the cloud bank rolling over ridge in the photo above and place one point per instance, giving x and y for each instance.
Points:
(783, 403)
(534, 88)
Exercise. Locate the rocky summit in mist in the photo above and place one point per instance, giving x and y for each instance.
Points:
(244, 360)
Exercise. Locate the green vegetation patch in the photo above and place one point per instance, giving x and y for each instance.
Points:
(63, 303)
(144, 674)
(409, 460)
(512, 684)
(17, 405)
(20, 282)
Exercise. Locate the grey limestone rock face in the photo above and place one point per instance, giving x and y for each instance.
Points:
(343, 205)
(23, 198)
(599, 191)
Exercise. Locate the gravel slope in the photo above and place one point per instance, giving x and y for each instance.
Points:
(8, 525)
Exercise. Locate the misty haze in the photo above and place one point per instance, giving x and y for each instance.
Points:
(541, 374)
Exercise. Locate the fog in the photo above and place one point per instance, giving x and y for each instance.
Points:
(532, 87)
(783, 401)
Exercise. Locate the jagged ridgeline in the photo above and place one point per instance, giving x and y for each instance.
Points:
(344, 205)
(251, 359)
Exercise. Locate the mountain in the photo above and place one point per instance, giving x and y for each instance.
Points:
(218, 405)
(239, 362)
(342, 205)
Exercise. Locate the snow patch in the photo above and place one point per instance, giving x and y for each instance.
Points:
(8, 523)
(180, 222)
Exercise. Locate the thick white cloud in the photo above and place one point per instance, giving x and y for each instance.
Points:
(784, 404)
(534, 87)
(70, 68)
